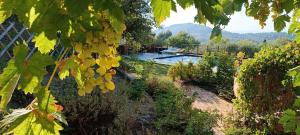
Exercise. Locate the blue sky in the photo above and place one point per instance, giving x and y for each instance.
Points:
(239, 23)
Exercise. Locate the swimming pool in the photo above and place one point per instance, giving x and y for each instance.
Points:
(168, 59)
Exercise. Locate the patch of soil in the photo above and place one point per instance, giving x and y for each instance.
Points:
(208, 101)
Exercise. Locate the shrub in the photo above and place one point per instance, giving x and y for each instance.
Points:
(182, 71)
(264, 87)
(238, 131)
(136, 89)
(203, 73)
(174, 111)
(96, 113)
(201, 123)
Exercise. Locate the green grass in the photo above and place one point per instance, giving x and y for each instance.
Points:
(146, 67)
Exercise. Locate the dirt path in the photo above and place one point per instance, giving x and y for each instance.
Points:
(208, 101)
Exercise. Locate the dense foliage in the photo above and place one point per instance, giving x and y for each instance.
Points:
(183, 40)
(138, 21)
(264, 87)
(162, 38)
(215, 70)
(174, 111)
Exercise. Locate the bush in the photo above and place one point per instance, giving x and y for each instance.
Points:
(215, 69)
(264, 87)
(174, 111)
(136, 89)
(182, 71)
(203, 73)
(97, 113)
(201, 123)
(238, 131)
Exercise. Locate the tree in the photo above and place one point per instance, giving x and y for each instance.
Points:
(138, 20)
(183, 40)
(162, 38)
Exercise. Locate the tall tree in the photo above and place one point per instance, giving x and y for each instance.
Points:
(138, 20)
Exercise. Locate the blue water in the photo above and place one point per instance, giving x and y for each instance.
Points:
(174, 60)
(167, 61)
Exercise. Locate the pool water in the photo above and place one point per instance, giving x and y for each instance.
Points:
(168, 60)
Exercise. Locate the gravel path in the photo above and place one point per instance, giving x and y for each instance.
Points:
(208, 101)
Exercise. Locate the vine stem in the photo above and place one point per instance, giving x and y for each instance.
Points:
(52, 76)
(55, 69)
(50, 80)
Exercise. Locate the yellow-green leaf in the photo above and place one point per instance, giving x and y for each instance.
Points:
(161, 10)
(44, 44)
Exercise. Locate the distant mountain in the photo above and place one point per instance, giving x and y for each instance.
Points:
(202, 33)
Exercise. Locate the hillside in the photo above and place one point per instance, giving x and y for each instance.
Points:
(202, 33)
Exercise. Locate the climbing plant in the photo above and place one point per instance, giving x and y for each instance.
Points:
(264, 87)
(93, 29)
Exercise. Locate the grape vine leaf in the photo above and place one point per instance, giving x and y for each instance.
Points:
(289, 121)
(280, 22)
(33, 70)
(76, 8)
(295, 74)
(65, 66)
(297, 103)
(46, 101)
(44, 44)
(185, 3)
(161, 10)
(294, 27)
(7, 90)
(33, 123)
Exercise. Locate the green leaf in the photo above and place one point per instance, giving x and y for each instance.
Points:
(280, 22)
(44, 44)
(161, 10)
(46, 101)
(216, 33)
(297, 103)
(34, 72)
(7, 90)
(3, 14)
(238, 4)
(38, 63)
(295, 74)
(289, 121)
(295, 25)
(20, 53)
(252, 9)
(185, 3)
(288, 6)
(8, 82)
(298, 129)
(174, 6)
(33, 123)
(65, 66)
(76, 8)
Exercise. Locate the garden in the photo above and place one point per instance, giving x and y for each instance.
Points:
(97, 67)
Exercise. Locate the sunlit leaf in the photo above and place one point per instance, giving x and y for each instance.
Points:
(44, 44)
(161, 10)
